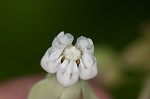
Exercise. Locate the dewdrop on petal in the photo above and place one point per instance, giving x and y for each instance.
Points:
(68, 67)
(70, 62)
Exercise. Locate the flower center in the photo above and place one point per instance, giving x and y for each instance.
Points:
(72, 53)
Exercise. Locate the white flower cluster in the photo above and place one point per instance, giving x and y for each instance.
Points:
(70, 62)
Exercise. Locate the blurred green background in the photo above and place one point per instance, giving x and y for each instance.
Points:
(27, 28)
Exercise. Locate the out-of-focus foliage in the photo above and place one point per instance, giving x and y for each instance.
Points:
(145, 93)
(125, 72)
(109, 65)
(137, 55)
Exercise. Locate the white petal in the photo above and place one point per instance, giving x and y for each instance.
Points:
(51, 60)
(62, 40)
(87, 60)
(55, 55)
(53, 66)
(69, 75)
(87, 72)
(66, 39)
(85, 44)
(61, 34)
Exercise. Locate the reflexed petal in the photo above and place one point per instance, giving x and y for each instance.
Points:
(87, 60)
(66, 39)
(85, 44)
(68, 74)
(62, 40)
(88, 72)
(51, 60)
(55, 55)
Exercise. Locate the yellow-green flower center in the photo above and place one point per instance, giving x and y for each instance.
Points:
(72, 53)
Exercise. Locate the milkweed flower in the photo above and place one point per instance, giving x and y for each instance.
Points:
(68, 67)
(68, 61)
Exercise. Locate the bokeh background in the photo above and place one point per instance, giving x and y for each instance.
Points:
(119, 29)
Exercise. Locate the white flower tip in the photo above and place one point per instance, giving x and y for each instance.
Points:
(62, 40)
(67, 38)
(86, 44)
(60, 34)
